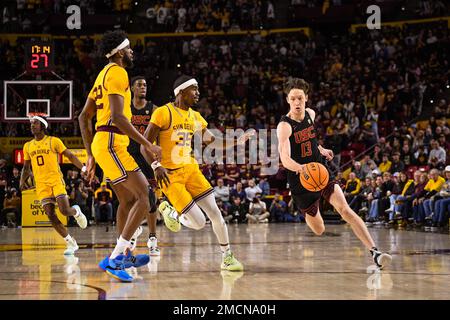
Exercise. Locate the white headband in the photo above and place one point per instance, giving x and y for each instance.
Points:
(41, 120)
(124, 43)
(184, 85)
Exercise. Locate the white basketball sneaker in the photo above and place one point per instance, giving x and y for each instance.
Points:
(133, 240)
(152, 245)
(72, 246)
(81, 218)
(381, 259)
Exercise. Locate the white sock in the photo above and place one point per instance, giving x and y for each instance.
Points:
(69, 238)
(225, 249)
(185, 221)
(120, 248)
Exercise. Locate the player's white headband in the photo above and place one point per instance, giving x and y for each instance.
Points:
(124, 44)
(41, 120)
(185, 85)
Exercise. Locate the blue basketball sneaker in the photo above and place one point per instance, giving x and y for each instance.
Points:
(116, 269)
(104, 263)
(136, 261)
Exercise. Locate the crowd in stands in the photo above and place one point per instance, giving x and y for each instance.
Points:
(195, 15)
(369, 91)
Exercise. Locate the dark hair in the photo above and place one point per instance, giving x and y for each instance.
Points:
(296, 83)
(136, 78)
(110, 40)
(180, 80)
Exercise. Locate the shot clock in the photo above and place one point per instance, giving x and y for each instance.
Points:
(39, 57)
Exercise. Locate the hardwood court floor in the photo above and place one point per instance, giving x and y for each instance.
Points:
(282, 261)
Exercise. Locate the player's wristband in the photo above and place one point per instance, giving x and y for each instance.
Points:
(155, 165)
(83, 169)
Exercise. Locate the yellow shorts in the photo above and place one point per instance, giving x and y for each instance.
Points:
(187, 185)
(49, 192)
(110, 152)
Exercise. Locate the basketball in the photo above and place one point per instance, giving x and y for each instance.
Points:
(315, 177)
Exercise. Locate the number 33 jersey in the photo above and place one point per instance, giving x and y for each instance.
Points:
(175, 138)
(44, 159)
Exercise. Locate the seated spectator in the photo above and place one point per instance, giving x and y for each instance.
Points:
(374, 197)
(352, 187)
(10, 214)
(404, 201)
(237, 211)
(239, 192)
(278, 209)
(375, 171)
(400, 180)
(257, 211)
(420, 157)
(397, 164)
(418, 193)
(14, 181)
(387, 188)
(252, 190)
(360, 200)
(360, 171)
(293, 214)
(264, 186)
(442, 202)
(437, 156)
(222, 193)
(385, 164)
(232, 174)
(103, 201)
(433, 187)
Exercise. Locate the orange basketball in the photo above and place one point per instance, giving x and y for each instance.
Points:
(315, 177)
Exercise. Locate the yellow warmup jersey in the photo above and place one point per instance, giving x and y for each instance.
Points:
(113, 79)
(44, 159)
(175, 138)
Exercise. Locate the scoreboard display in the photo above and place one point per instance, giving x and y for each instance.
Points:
(39, 56)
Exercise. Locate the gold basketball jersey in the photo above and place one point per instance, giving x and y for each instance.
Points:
(113, 79)
(175, 138)
(44, 159)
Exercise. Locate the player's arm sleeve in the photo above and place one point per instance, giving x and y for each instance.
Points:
(161, 118)
(26, 155)
(58, 145)
(116, 81)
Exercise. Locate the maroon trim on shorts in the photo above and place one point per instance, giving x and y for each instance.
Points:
(311, 210)
(328, 190)
(111, 129)
(204, 194)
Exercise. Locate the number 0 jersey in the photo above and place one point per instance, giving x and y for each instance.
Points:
(175, 138)
(44, 159)
(113, 79)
